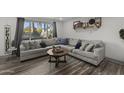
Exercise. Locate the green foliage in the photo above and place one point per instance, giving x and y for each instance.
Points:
(27, 29)
(39, 30)
(121, 32)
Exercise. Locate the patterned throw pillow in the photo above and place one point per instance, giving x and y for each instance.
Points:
(63, 41)
(26, 45)
(37, 44)
(95, 46)
(73, 42)
(32, 45)
(83, 46)
(89, 48)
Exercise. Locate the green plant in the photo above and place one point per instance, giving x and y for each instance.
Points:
(121, 32)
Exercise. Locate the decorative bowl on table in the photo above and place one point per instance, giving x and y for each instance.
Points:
(57, 50)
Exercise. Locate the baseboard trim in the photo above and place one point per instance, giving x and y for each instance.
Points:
(115, 61)
(6, 57)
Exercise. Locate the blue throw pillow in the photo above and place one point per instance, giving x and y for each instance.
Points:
(63, 41)
(78, 45)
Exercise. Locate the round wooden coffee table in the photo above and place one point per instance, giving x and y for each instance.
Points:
(57, 56)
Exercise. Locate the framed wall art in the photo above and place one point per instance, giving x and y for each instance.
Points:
(95, 22)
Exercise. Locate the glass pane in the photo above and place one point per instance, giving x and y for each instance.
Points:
(27, 30)
(50, 31)
(43, 33)
(42, 25)
(36, 30)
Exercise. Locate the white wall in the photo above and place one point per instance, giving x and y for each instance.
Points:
(59, 26)
(6, 21)
(108, 33)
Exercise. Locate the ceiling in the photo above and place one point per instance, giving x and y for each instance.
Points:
(50, 18)
(61, 18)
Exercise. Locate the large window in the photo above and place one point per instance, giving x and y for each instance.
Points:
(36, 30)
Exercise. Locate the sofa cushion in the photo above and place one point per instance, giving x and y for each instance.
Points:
(33, 51)
(34, 44)
(63, 41)
(31, 44)
(73, 42)
(69, 48)
(50, 42)
(84, 53)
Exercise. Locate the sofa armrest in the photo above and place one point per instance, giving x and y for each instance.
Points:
(100, 53)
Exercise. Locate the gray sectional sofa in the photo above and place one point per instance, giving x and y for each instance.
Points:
(94, 53)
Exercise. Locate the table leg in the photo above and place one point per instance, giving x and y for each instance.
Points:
(65, 58)
(49, 58)
(57, 62)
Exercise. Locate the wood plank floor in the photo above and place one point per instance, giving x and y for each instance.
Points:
(41, 66)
